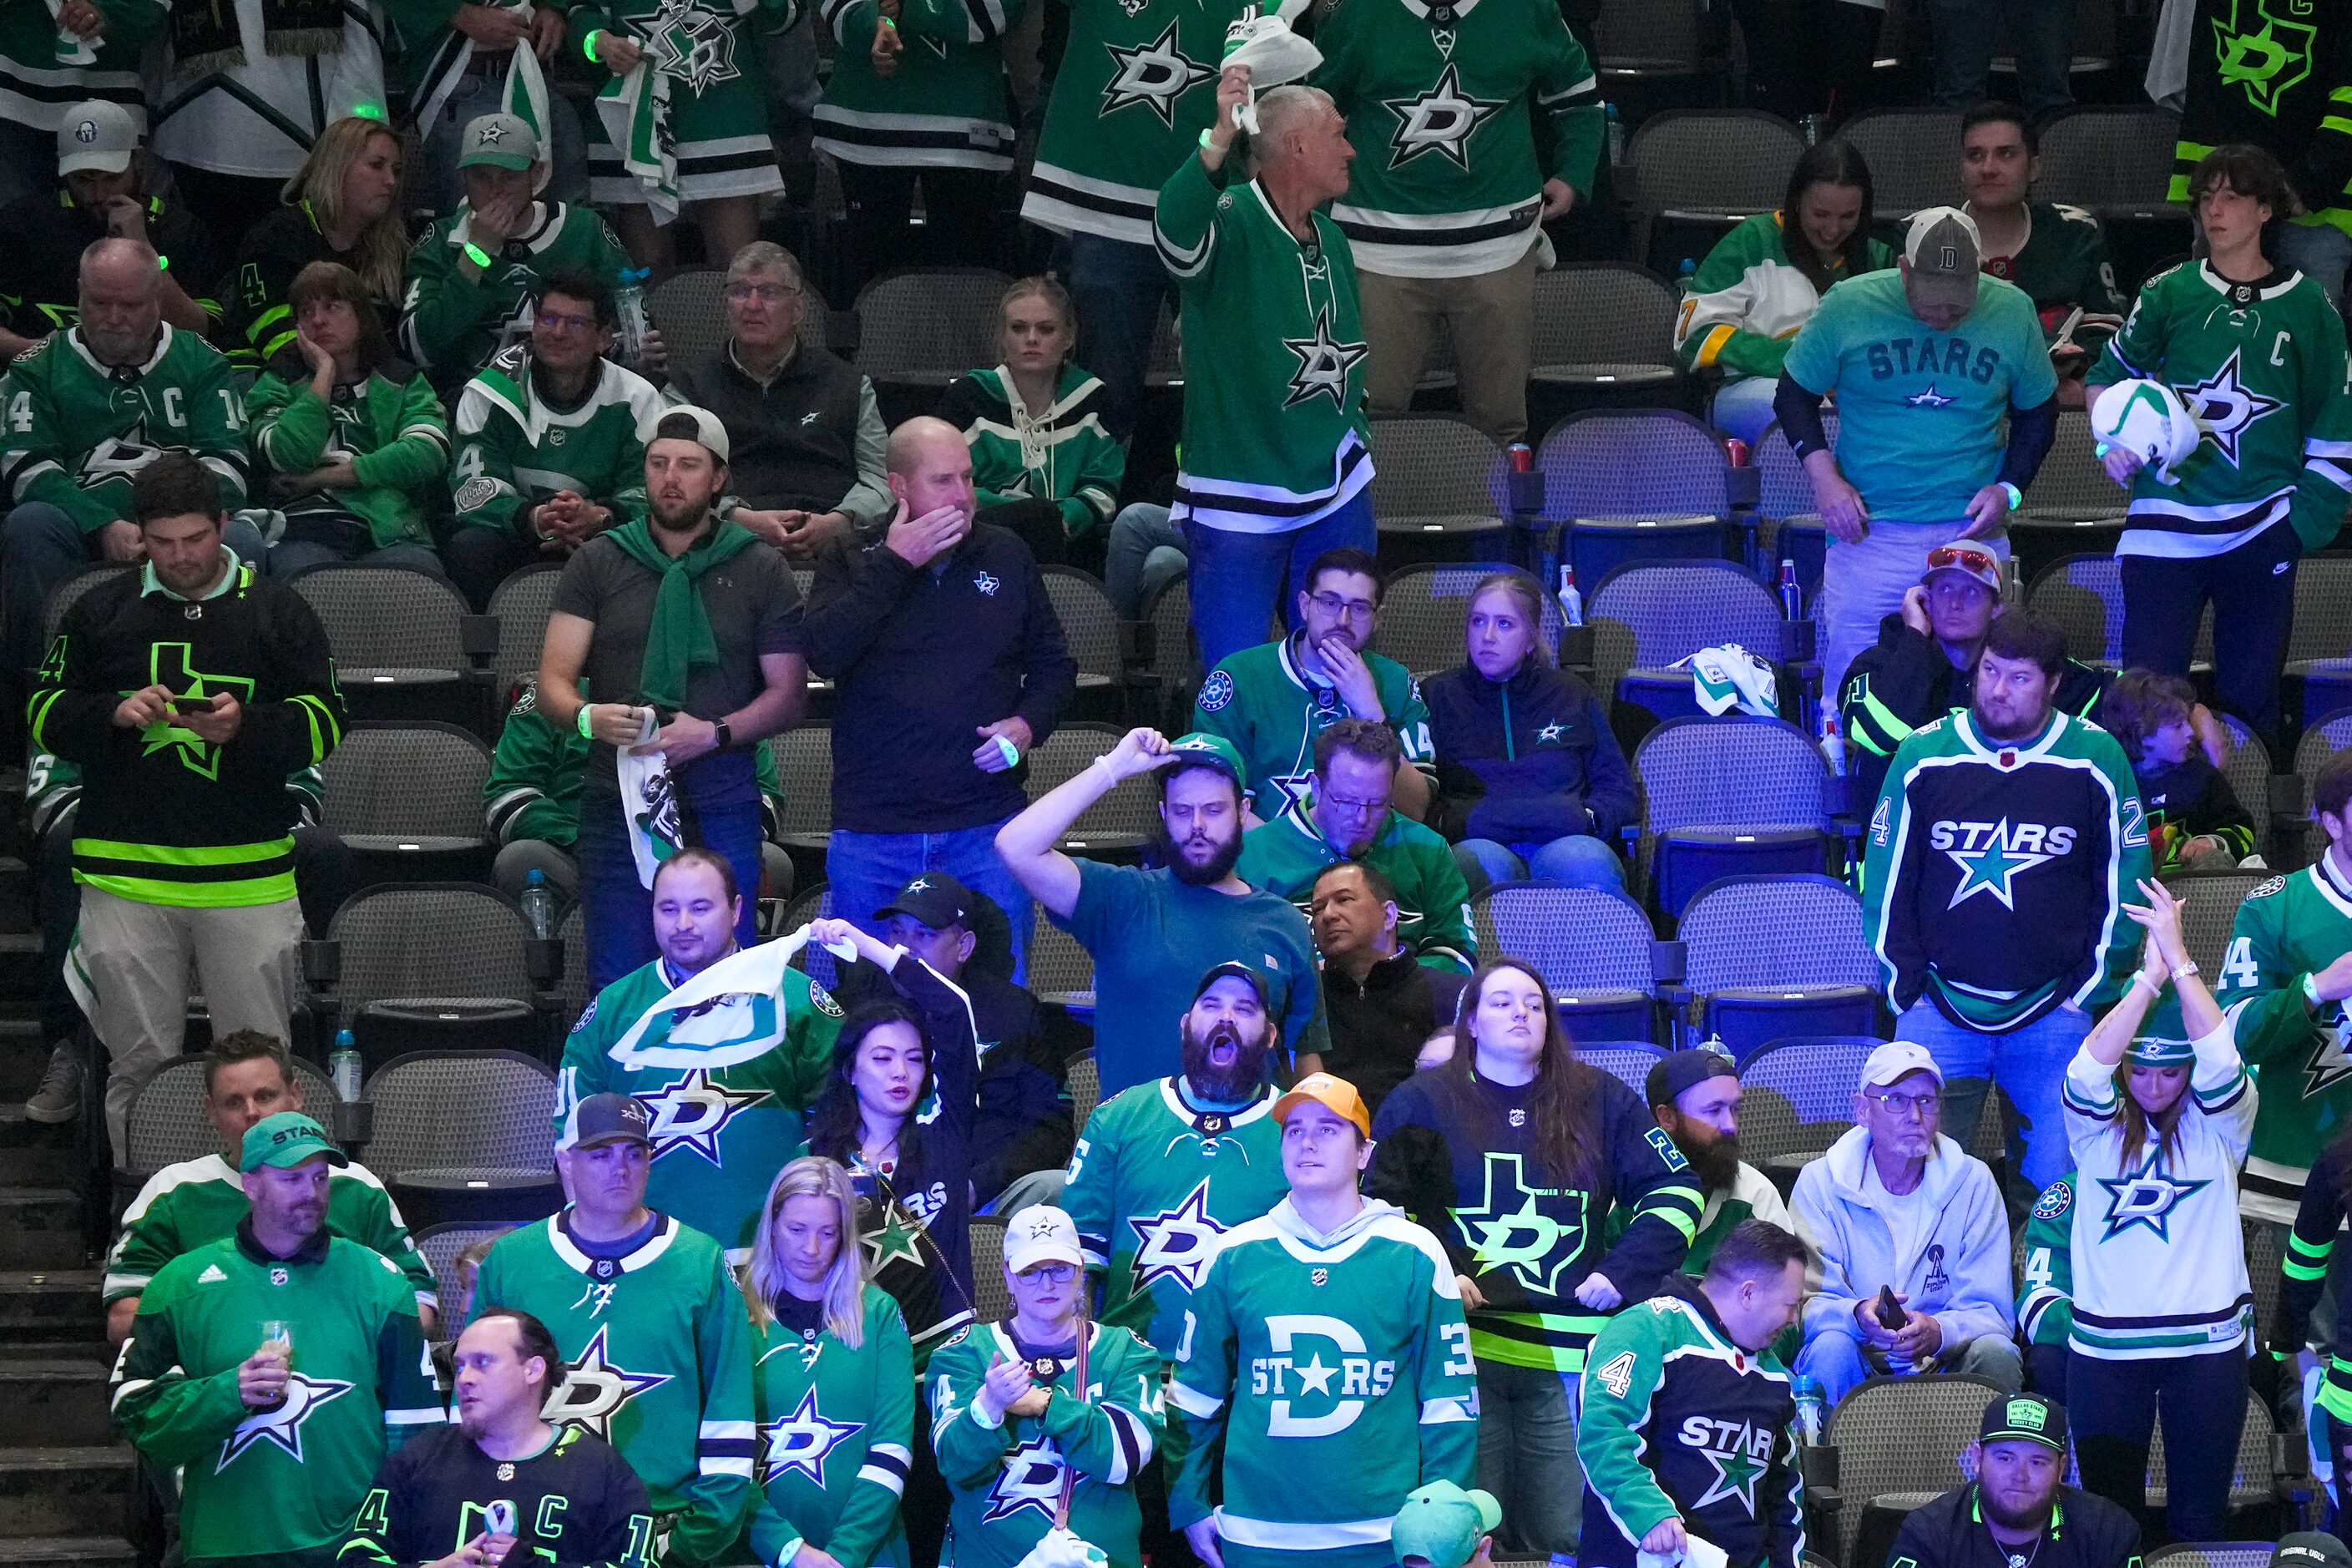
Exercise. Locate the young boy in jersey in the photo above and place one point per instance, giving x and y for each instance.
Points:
(2195, 821)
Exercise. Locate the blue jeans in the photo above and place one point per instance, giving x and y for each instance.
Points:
(40, 547)
(1837, 1362)
(2201, 1400)
(1238, 579)
(301, 554)
(2321, 249)
(2030, 1064)
(1145, 550)
(618, 912)
(1963, 32)
(434, 182)
(1526, 1457)
(1117, 289)
(1743, 407)
(865, 871)
(1577, 859)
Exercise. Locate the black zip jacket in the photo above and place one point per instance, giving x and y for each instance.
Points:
(1527, 760)
(2084, 1532)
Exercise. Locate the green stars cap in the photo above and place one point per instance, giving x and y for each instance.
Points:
(286, 1138)
(1443, 1524)
(2024, 1417)
(2157, 1051)
(1202, 749)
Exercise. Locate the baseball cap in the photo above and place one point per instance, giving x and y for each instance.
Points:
(499, 141)
(1896, 1059)
(1201, 749)
(1041, 1234)
(1239, 970)
(2310, 1549)
(1336, 1095)
(708, 428)
(1686, 1069)
(1444, 1523)
(1942, 247)
(96, 135)
(2027, 1418)
(935, 899)
(1968, 560)
(602, 1119)
(286, 1138)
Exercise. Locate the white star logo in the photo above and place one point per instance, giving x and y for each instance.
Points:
(2226, 408)
(1440, 121)
(492, 134)
(2146, 1197)
(1031, 1477)
(1155, 75)
(282, 1424)
(694, 1112)
(1931, 398)
(2328, 1065)
(595, 1388)
(1324, 365)
(919, 885)
(691, 45)
(1736, 1470)
(1550, 732)
(1314, 1377)
(802, 1440)
(1175, 1244)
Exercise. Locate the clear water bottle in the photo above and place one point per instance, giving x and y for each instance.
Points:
(1832, 739)
(629, 306)
(537, 902)
(1571, 602)
(1616, 135)
(1811, 1417)
(343, 1068)
(1792, 596)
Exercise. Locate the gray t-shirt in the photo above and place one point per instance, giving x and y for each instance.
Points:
(755, 608)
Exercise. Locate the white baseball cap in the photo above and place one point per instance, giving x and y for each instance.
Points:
(96, 135)
(1042, 1233)
(708, 428)
(1898, 1059)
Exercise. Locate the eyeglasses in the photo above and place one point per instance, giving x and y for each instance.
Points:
(1333, 605)
(1050, 1274)
(559, 321)
(766, 293)
(1353, 808)
(1899, 1106)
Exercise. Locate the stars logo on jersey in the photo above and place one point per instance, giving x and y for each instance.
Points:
(305, 1397)
(2265, 62)
(1929, 398)
(1216, 692)
(895, 1239)
(2327, 1065)
(596, 1387)
(802, 1440)
(2227, 407)
(693, 1112)
(1440, 120)
(118, 457)
(1155, 75)
(691, 45)
(1324, 365)
(1175, 1244)
(1507, 1230)
(1032, 1477)
(1990, 862)
(1737, 1453)
(1550, 732)
(168, 665)
(2146, 1196)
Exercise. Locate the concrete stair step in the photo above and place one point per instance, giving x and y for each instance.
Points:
(20, 962)
(46, 1308)
(56, 1491)
(24, 1054)
(40, 1228)
(32, 1153)
(66, 1551)
(51, 1400)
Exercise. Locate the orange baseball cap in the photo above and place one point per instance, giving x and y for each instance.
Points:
(1336, 1095)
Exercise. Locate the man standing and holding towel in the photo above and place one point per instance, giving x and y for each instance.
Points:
(689, 631)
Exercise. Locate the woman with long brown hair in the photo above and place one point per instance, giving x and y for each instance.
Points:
(1513, 1152)
(342, 204)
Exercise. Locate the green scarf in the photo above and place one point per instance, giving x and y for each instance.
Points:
(679, 641)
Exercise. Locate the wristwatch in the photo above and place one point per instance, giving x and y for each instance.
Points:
(726, 737)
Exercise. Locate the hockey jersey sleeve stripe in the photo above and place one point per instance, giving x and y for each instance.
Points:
(424, 1415)
(2094, 1110)
(505, 811)
(987, 18)
(1134, 1448)
(1440, 1412)
(2223, 1096)
(1192, 1400)
(2303, 1261)
(1588, 87)
(21, 468)
(1712, 344)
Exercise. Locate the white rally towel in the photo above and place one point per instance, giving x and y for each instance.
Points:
(748, 972)
(72, 49)
(1697, 1553)
(649, 802)
(525, 97)
(635, 108)
(1729, 677)
(1273, 54)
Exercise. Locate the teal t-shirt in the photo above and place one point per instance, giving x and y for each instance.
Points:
(1919, 412)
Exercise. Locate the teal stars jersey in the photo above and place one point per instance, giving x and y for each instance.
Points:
(656, 1361)
(1328, 1375)
(1265, 700)
(727, 1082)
(2262, 368)
(288, 1478)
(835, 1427)
(1920, 413)
(2045, 1288)
(2158, 1259)
(2289, 929)
(1154, 1184)
(1005, 1477)
(1284, 855)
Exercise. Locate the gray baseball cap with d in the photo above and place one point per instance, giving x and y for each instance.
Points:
(1942, 250)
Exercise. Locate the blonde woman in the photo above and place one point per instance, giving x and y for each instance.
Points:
(342, 205)
(833, 1382)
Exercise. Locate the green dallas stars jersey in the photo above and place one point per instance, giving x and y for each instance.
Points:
(1264, 701)
(2288, 929)
(1274, 436)
(41, 77)
(2062, 266)
(726, 1083)
(1335, 1369)
(835, 1426)
(944, 107)
(1005, 1480)
(1154, 1185)
(656, 1361)
(450, 323)
(516, 449)
(2045, 1288)
(1448, 174)
(1136, 85)
(198, 1202)
(259, 1482)
(78, 430)
(2261, 367)
(1284, 855)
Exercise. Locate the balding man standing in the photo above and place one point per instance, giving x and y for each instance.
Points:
(950, 666)
(1277, 468)
(86, 409)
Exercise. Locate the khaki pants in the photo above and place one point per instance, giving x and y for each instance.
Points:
(137, 955)
(1493, 316)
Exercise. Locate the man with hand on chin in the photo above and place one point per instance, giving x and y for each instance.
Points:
(1924, 361)
(938, 636)
(695, 623)
(2017, 1507)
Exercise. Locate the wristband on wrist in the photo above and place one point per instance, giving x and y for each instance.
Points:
(478, 256)
(1208, 140)
(723, 734)
(2140, 977)
(587, 730)
(163, 263)
(2311, 989)
(2016, 496)
(588, 46)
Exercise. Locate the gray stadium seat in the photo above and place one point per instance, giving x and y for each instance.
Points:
(433, 962)
(1627, 1061)
(1085, 1089)
(1729, 796)
(571, 994)
(2072, 486)
(2108, 157)
(1089, 627)
(1602, 325)
(1122, 820)
(1424, 611)
(1639, 484)
(399, 639)
(1719, 164)
(991, 1298)
(1436, 475)
(1898, 1441)
(1912, 153)
(926, 327)
(408, 792)
(465, 1135)
(61, 597)
(441, 1244)
(2210, 902)
(804, 759)
(520, 605)
(167, 1123)
(811, 904)
(1670, 610)
(689, 307)
(1773, 956)
(1060, 969)
(2083, 597)
(1590, 945)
